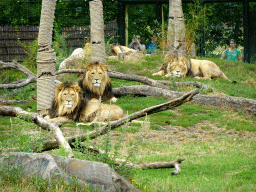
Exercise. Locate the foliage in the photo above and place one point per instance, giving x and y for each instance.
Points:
(196, 18)
(20, 12)
(225, 22)
(31, 51)
(60, 46)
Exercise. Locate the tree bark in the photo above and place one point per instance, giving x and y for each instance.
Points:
(46, 57)
(51, 144)
(38, 119)
(224, 101)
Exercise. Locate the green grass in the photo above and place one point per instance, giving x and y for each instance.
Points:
(211, 166)
(220, 154)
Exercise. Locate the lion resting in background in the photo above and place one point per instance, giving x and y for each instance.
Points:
(181, 66)
(69, 105)
(96, 82)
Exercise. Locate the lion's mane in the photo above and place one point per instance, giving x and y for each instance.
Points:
(89, 90)
(57, 109)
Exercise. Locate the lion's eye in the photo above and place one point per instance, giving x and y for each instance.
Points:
(92, 73)
(73, 95)
(100, 73)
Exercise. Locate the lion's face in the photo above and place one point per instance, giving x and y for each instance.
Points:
(67, 98)
(96, 77)
(179, 68)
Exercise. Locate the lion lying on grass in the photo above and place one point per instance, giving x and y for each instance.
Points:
(69, 105)
(181, 66)
(96, 82)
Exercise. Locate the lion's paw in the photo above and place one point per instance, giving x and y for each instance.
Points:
(113, 99)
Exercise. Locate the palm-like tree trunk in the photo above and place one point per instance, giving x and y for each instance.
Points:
(97, 31)
(176, 26)
(46, 57)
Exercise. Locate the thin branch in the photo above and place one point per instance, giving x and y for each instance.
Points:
(21, 83)
(9, 102)
(38, 119)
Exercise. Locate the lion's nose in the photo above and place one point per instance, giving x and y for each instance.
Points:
(68, 101)
(96, 80)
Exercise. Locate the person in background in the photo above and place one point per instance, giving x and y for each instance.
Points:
(151, 46)
(135, 44)
(232, 53)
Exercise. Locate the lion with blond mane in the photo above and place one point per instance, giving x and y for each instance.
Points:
(69, 105)
(96, 82)
(177, 64)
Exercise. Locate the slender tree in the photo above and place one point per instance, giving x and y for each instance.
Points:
(176, 26)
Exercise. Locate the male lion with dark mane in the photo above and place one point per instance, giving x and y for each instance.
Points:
(69, 105)
(178, 65)
(96, 82)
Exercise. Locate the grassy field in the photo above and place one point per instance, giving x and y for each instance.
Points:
(218, 144)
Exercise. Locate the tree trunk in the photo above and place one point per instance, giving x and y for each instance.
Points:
(170, 32)
(176, 26)
(97, 31)
(46, 57)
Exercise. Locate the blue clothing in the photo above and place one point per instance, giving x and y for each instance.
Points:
(151, 48)
(132, 47)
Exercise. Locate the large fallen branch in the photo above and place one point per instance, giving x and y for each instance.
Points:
(52, 144)
(237, 103)
(38, 119)
(142, 79)
(31, 77)
(118, 75)
(187, 83)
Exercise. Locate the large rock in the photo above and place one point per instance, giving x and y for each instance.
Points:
(78, 54)
(99, 175)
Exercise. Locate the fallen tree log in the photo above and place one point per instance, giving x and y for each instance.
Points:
(224, 101)
(142, 79)
(52, 144)
(31, 77)
(187, 83)
(118, 75)
(38, 119)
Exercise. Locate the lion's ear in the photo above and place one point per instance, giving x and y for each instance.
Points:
(77, 88)
(87, 67)
(58, 89)
(105, 68)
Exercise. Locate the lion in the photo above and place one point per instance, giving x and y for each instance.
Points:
(181, 66)
(96, 82)
(69, 105)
